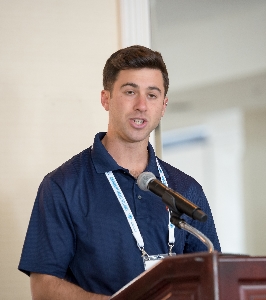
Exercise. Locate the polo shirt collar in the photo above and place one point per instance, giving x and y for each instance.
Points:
(104, 162)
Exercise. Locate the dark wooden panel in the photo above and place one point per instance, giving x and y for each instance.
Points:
(201, 276)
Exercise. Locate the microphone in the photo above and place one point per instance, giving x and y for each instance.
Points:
(175, 201)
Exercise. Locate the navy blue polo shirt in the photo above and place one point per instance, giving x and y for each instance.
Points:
(79, 232)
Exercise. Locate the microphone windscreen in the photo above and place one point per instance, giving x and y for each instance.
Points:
(144, 179)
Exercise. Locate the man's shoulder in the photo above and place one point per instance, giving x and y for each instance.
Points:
(70, 169)
(178, 179)
(174, 172)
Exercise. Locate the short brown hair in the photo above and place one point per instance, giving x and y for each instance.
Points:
(133, 57)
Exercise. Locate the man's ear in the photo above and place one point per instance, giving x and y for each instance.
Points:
(165, 102)
(105, 98)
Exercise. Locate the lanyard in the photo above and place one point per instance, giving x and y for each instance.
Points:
(130, 218)
(171, 227)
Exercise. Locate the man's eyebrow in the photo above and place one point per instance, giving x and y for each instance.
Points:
(154, 88)
(134, 85)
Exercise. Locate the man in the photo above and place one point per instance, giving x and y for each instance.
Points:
(91, 224)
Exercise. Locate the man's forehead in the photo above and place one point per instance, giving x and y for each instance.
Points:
(153, 77)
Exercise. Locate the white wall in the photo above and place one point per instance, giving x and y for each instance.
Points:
(255, 181)
(52, 56)
(225, 178)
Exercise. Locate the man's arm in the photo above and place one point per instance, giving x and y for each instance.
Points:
(47, 287)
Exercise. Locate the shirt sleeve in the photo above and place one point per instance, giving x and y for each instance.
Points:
(50, 240)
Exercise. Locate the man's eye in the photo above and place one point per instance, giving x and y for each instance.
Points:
(152, 96)
(130, 92)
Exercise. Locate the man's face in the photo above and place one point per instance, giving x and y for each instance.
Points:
(136, 105)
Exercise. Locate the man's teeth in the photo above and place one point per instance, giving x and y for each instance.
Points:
(138, 121)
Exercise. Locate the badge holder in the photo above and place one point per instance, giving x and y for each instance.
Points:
(150, 260)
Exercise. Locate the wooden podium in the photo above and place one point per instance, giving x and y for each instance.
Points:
(198, 276)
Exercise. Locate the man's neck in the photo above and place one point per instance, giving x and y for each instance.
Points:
(131, 156)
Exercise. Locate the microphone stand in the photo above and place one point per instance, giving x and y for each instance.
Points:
(180, 223)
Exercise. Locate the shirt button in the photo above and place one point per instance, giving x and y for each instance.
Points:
(139, 197)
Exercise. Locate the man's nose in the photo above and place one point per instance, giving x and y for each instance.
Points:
(141, 102)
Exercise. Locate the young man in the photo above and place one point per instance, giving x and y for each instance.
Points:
(91, 223)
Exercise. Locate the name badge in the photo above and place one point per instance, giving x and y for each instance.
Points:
(151, 260)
